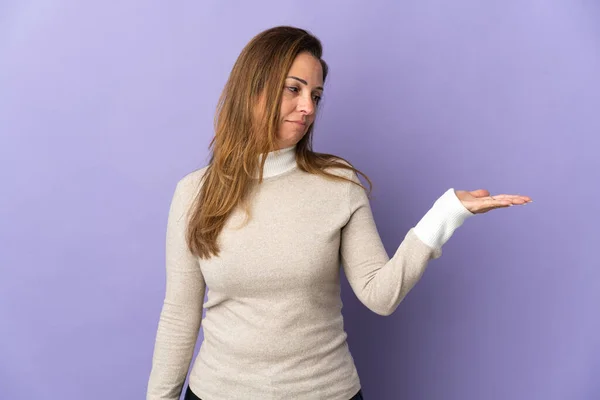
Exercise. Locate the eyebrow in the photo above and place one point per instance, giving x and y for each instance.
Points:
(303, 81)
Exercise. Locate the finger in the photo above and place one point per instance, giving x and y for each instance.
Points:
(512, 197)
(493, 202)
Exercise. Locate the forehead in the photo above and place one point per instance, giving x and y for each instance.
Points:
(307, 67)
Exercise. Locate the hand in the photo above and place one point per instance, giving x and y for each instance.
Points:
(480, 201)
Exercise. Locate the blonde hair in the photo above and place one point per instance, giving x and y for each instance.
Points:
(259, 72)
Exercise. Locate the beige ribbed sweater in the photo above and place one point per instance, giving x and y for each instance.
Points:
(273, 327)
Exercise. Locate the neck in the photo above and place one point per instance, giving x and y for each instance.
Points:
(279, 161)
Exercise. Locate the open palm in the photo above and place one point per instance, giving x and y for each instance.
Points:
(479, 201)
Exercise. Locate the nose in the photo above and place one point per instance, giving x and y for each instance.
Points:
(306, 105)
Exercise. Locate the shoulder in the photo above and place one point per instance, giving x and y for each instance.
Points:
(193, 178)
(343, 169)
(189, 185)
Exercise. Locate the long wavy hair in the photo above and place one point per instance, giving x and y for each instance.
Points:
(258, 75)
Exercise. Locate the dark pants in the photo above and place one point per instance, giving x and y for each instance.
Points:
(189, 395)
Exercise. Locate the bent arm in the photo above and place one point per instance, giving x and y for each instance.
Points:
(379, 282)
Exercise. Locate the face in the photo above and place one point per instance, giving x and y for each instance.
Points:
(302, 92)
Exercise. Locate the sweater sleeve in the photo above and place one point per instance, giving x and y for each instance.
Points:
(379, 282)
(181, 313)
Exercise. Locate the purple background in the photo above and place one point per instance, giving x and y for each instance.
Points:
(105, 105)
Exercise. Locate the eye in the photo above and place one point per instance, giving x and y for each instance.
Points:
(317, 98)
(292, 88)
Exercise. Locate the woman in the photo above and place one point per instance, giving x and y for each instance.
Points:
(267, 234)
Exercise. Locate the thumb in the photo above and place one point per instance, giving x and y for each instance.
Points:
(480, 193)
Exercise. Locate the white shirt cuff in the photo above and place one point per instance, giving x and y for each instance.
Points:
(439, 223)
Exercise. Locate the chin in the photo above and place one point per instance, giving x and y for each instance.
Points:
(290, 139)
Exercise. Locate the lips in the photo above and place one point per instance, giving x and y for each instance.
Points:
(302, 123)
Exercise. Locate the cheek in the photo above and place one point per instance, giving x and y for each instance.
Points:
(287, 106)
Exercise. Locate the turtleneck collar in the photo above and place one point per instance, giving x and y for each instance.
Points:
(279, 161)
